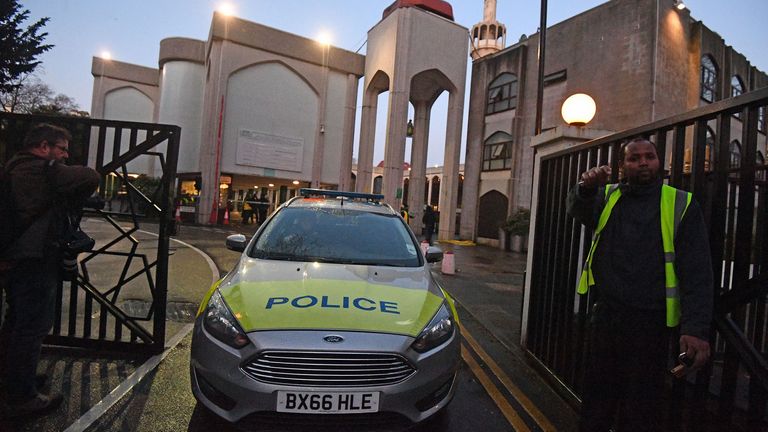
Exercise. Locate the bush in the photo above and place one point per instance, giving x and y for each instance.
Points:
(518, 222)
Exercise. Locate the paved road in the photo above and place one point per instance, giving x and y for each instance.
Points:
(496, 389)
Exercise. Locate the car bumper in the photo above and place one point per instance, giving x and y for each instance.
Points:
(220, 384)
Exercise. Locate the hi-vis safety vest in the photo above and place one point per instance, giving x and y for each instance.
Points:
(674, 203)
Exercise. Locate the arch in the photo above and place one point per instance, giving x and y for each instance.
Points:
(491, 214)
(737, 86)
(353, 182)
(128, 87)
(434, 199)
(497, 152)
(427, 86)
(281, 63)
(128, 103)
(406, 183)
(502, 93)
(377, 184)
(735, 154)
(708, 78)
(379, 83)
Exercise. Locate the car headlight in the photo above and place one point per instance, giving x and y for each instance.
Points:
(436, 332)
(220, 323)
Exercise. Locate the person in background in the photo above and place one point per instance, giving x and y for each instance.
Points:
(428, 220)
(650, 273)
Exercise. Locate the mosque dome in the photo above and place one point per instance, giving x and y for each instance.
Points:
(438, 7)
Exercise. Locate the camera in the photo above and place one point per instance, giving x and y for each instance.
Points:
(76, 243)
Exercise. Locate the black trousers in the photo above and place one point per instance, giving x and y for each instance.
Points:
(31, 296)
(625, 371)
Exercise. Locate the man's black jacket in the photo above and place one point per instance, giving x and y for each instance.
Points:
(629, 261)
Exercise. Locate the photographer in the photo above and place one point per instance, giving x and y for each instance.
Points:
(40, 181)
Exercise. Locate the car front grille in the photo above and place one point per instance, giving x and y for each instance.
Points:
(328, 369)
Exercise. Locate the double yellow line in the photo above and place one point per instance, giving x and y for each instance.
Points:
(512, 416)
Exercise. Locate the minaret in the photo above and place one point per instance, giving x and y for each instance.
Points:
(489, 35)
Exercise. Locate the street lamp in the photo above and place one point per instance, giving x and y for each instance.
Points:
(578, 109)
(226, 9)
(680, 5)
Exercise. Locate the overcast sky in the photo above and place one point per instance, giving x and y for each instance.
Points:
(131, 31)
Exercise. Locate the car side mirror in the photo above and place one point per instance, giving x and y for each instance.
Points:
(237, 242)
(434, 254)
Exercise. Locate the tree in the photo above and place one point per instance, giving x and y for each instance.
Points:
(19, 47)
(32, 96)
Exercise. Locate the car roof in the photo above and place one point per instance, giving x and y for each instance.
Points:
(319, 198)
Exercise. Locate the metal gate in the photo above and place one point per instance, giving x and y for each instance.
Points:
(712, 152)
(118, 300)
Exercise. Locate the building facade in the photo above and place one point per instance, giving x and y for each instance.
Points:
(641, 61)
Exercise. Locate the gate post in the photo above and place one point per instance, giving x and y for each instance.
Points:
(545, 145)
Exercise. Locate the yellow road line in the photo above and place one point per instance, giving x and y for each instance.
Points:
(512, 417)
(526, 403)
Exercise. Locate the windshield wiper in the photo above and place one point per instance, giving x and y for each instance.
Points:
(278, 256)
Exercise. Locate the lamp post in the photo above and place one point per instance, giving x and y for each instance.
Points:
(324, 39)
(542, 49)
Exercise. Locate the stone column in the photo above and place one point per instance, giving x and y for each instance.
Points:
(418, 164)
(367, 136)
(348, 136)
(449, 186)
(212, 133)
(473, 158)
(394, 147)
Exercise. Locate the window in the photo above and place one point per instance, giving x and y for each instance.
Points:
(760, 162)
(497, 152)
(502, 93)
(708, 79)
(735, 151)
(709, 154)
(737, 88)
(761, 119)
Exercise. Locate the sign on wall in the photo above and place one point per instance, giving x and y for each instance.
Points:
(263, 150)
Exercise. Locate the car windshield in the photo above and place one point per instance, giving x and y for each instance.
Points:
(337, 235)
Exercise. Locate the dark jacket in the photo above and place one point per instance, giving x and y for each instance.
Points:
(429, 218)
(629, 260)
(35, 189)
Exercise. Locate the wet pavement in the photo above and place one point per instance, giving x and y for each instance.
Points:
(498, 389)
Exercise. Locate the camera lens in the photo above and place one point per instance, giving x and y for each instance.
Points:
(69, 267)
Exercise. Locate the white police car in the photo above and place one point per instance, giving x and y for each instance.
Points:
(331, 312)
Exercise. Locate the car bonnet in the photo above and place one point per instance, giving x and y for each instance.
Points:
(278, 295)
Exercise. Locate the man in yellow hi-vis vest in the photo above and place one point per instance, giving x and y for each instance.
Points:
(650, 271)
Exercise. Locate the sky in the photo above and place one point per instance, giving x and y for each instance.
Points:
(131, 30)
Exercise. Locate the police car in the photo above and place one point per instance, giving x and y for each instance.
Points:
(331, 312)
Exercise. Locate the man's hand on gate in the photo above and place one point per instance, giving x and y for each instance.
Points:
(595, 177)
(696, 349)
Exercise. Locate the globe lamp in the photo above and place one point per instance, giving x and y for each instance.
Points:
(578, 109)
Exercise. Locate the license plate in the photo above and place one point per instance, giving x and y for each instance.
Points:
(327, 402)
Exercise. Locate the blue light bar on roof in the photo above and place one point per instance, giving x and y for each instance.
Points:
(306, 192)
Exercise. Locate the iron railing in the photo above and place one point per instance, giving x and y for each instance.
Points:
(137, 162)
(699, 155)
